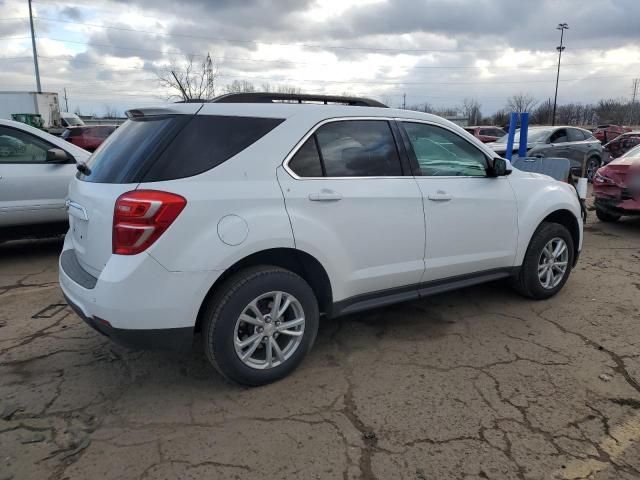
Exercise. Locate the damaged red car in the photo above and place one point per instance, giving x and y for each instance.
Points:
(616, 187)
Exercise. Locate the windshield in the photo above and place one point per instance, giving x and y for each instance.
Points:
(73, 121)
(633, 153)
(534, 135)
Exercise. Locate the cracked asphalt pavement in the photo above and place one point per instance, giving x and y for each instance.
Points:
(474, 384)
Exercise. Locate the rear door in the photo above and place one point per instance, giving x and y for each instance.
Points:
(354, 207)
(471, 219)
(32, 190)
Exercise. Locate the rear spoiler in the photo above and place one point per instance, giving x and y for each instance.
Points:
(184, 109)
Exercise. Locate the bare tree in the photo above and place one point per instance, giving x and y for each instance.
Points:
(471, 109)
(541, 115)
(267, 87)
(240, 86)
(521, 102)
(189, 80)
(110, 112)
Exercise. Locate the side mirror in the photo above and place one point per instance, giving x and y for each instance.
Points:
(500, 167)
(57, 155)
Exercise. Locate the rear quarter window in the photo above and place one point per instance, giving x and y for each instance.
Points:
(153, 149)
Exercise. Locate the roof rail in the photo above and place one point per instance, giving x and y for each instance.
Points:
(260, 97)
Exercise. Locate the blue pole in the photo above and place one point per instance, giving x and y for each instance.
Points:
(524, 128)
(512, 133)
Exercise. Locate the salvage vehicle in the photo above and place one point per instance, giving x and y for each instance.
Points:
(576, 144)
(606, 133)
(616, 187)
(486, 134)
(622, 144)
(88, 137)
(250, 217)
(35, 170)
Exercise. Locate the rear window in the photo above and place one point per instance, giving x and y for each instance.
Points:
(153, 149)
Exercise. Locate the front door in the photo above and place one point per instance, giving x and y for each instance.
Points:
(31, 189)
(354, 208)
(471, 218)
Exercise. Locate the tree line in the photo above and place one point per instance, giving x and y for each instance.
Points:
(200, 80)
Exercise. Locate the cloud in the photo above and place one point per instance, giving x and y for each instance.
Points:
(439, 51)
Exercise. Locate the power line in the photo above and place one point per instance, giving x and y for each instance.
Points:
(361, 82)
(283, 44)
(292, 62)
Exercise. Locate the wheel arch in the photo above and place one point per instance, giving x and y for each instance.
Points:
(297, 261)
(568, 220)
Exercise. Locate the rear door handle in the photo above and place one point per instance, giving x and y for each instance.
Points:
(440, 196)
(325, 196)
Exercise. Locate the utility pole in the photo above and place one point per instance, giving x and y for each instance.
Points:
(66, 102)
(404, 101)
(35, 51)
(634, 94)
(562, 27)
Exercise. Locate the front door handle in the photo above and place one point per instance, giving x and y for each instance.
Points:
(325, 196)
(440, 196)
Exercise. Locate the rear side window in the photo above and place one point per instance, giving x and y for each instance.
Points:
(306, 161)
(348, 148)
(157, 148)
(575, 135)
(358, 148)
(206, 142)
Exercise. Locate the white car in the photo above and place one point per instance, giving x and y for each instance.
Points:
(35, 171)
(248, 222)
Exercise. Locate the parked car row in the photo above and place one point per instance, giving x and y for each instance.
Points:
(576, 144)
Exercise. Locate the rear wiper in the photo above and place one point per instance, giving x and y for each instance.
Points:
(83, 168)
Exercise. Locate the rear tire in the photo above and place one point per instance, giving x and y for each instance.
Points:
(529, 281)
(242, 309)
(606, 217)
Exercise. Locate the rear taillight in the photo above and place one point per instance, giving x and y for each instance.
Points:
(141, 216)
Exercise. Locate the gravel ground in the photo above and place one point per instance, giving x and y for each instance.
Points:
(474, 384)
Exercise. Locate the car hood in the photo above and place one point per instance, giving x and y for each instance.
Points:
(625, 162)
(502, 147)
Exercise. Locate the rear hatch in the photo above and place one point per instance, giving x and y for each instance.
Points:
(116, 167)
(152, 146)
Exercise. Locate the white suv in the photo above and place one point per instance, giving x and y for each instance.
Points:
(249, 218)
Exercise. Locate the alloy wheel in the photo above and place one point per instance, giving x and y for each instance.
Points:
(269, 330)
(553, 263)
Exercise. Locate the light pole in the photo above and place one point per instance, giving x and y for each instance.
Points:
(562, 27)
(35, 52)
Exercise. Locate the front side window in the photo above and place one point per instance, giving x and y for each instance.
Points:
(440, 152)
(21, 147)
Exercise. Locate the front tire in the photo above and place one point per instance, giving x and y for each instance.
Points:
(259, 325)
(607, 217)
(547, 263)
(593, 164)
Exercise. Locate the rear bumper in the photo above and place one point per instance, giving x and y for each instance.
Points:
(177, 339)
(136, 301)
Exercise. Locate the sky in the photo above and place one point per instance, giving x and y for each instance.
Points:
(106, 52)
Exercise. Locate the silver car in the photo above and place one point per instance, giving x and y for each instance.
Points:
(576, 144)
(35, 171)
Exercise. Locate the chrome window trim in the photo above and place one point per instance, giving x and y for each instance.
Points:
(301, 142)
(313, 130)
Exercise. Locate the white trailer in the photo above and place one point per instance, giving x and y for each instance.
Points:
(44, 104)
